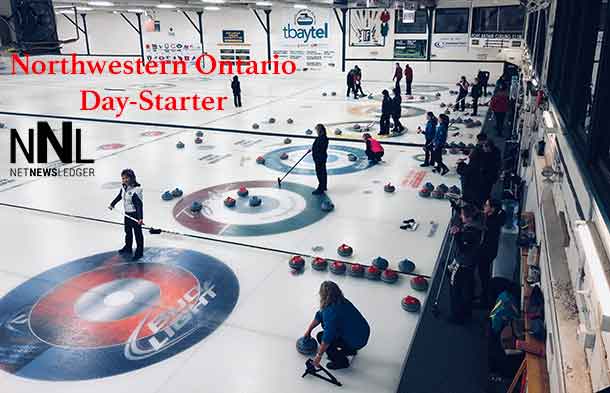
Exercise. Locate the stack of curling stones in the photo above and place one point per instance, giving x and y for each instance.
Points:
(180, 145)
(319, 264)
(410, 304)
(389, 188)
(327, 206)
(307, 346)
(196, 207)
(255, 201)
(352, 157)
(284, 156)
(389, 276)
(229, 202)
(296, 263)
(287, 141)
(419, 283)
(260, 160)
(406, 266)
(242, 191)
(338, 267)
(372, 273)
(426, 190)
(169, 195)
(356, 270)
(439, 192)
(345, 251)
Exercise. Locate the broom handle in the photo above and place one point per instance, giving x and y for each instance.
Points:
(294, 166)
(131, 218)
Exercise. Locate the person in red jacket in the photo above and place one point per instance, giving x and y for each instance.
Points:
(408, 78)
(499, 107)
(397, 77)
(374, 150)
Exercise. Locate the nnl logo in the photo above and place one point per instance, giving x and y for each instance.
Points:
(44, 136)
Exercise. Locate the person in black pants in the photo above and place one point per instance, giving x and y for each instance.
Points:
(429, 133)
(467, 234)
(350, 83)
(483, 77)
(320, 155)
(438, 144)
(491, 166)
(386, 112)
(131, 194)
(396, 111)
(460, 102)
(236, 87)
(494, 218)
(475, 93)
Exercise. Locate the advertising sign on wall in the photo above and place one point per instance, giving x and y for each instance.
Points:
(233, 37)
(450, 42)
(368, 27)
(410, 49)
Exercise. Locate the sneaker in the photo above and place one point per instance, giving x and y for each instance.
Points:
(425, 164)
(444, 171)
(125, 250)
(337, 365)
(137, 257)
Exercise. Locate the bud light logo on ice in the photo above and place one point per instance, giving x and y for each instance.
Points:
(305, 27)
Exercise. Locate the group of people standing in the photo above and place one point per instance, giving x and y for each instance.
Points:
(436, 132)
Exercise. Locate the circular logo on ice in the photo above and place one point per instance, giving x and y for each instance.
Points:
(101, 315)
(305, 18)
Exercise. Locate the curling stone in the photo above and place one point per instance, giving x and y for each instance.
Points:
(477, 123)
(242, 191)
(437, 193)
(410, 304)
(454, 150)
(327, 206)
(459, 120)
(355, 270)
(352, 157)
(442, 105)
(255, 126)
(471, 125)
(429, 186)
(338, 267)
(345, 251)
(389, 276)
(260, 160)
(289, 121)
(284, 156)
(371, 97)
(271, 120)
(338, 132)
(455, 190)
(177, 193)
(254, 201)
(380, 263)
(319, 264)
(438, 94)
(419, 283)
(443, 188)
(461, 145)
(287, 141)
(356, 126)
(410, 97)
(198, 141)
(180, 145)
(229, 202)
(199, 134)
(406, 266)
(307, 346)
(372, 273)
(447, 112)
(296, 262)
(196, 206)
(308, 131)
(324, 94)
(389, 188)
(422, 98)
(167, 196)
(424, 192)
(334, 93)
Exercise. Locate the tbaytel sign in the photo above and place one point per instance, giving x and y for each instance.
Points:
(305, 28)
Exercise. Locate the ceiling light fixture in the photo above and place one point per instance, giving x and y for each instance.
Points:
(101, 3)
(212, 8)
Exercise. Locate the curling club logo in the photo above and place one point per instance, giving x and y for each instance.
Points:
(101, 316)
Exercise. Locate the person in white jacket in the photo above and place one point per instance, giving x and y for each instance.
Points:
(131, 194)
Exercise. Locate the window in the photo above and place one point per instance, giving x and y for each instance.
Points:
(505, 20)
(540, 42)
(532, 20)
(451, 20)
(421, 20)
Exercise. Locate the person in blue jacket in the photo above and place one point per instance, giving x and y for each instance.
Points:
(429, 134)
(440, 138)
(345, 329)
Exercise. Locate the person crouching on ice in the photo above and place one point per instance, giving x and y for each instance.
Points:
(131, 194)
(345, 329)
(374, 150)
